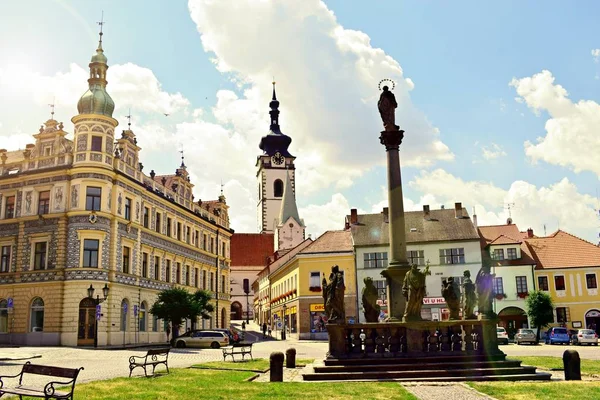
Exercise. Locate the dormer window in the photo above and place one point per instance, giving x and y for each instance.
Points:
(498, 254)
(511, 253)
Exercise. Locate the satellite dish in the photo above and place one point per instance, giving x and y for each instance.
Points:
(509, 221)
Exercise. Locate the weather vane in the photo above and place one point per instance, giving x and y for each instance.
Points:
(52, 108)
(101, 23)
(182, 158)
(383, 83)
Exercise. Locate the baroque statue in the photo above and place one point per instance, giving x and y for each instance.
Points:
(413, 289)
(333, 295)
(468, 297)
(484, 286)
(369, 300)
(451, 293)
(387, 109)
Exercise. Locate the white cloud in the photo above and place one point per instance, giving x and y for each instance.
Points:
(559, 205)
(329, 111)
(492, 152)
(328, 216)
(572, 128)
(596, 55)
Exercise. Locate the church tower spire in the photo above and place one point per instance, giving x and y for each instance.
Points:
(275, 141)
(289, 228)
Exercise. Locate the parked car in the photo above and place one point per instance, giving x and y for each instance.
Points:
(231, 334)
(585, 336)
(525, 336)
(502, 335)
(557, 335)
(212, 339)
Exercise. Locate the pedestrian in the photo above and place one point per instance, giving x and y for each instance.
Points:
(168, 331)
(243, 325)
(264, 329)
(270, 331)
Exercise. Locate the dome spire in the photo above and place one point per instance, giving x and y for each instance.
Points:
(275, 140)
(274, 104)
(96, 100)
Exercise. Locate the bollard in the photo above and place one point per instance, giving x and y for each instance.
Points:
(276, 367)
(572, 365)
(290, 358)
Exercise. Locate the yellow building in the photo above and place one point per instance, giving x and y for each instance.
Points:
(567, 267)
(80, 213)
(295, 286)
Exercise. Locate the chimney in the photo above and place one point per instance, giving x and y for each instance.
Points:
(426, 212)
(386, 217)
(529, 233)
(353, 216)
(458, 210)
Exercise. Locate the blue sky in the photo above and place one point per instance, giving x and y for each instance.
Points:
(210, 66)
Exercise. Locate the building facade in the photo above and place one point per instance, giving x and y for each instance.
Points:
(568, 267)
(296, 297)
(444, 239)
(81, 213)
(513, 266)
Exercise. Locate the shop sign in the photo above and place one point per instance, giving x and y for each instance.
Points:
(434, 300)
(317, 307)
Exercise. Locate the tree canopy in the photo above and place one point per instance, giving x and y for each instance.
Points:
(177, 304)
(539, 309)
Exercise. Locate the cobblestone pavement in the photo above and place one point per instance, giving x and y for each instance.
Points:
(449, 391)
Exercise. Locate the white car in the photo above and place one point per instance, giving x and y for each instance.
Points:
(502, 335)
(585, 336)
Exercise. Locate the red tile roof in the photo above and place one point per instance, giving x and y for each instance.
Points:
(502, 235)
(251, 249)
(563, 250)
(503, 239)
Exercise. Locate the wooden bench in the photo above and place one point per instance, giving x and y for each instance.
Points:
(152, 358)
(49, 390)
(237, 348)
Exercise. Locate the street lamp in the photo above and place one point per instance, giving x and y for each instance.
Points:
(283, 333)
(97, 302)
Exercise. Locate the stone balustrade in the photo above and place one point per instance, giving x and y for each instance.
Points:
(402, 339)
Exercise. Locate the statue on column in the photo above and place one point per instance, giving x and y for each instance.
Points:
(369, 300)
(451, 293)
(468, 298)
(413, 289)
(485, 285)
(333, 293)
(387, 109)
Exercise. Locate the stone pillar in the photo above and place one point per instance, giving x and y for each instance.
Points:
(572, 365)
(290, 358)
(276, 367)
(398, 264)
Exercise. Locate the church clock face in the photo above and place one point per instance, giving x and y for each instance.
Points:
(277, 158)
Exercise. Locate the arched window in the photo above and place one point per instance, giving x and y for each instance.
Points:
(124, 311)
(278, 188)
(142, 317)
(37, 315)
(3, 316)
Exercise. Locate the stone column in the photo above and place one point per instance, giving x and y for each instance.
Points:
(398, 265)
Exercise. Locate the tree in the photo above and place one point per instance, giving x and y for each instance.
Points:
(176, 304)
(539, 309)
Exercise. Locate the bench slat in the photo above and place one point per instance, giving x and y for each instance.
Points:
(50, 371)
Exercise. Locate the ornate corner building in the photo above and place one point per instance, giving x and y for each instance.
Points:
(81, 212)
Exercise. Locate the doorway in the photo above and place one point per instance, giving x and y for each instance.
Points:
(236, 311)
(86, 329)
(592, 320)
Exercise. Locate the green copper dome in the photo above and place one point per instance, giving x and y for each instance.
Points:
(96, 101)
(99, 57)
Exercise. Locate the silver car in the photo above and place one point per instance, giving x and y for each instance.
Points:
(212, 339)
(585, 336)
(525, 336)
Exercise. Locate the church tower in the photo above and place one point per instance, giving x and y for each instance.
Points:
(95, 126)
(289, 228)
(275, 171)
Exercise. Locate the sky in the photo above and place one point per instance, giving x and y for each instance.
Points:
(500, 102)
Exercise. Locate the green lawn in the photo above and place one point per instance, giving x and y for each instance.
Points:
(258, 364)
(588, 367)
(566, 390)
(184, 384)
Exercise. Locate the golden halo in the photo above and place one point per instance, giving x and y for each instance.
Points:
(386, 80)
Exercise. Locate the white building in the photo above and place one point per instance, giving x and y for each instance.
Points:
(445, 239)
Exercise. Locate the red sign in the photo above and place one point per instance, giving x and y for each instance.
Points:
(434, 300)
(381, 302)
